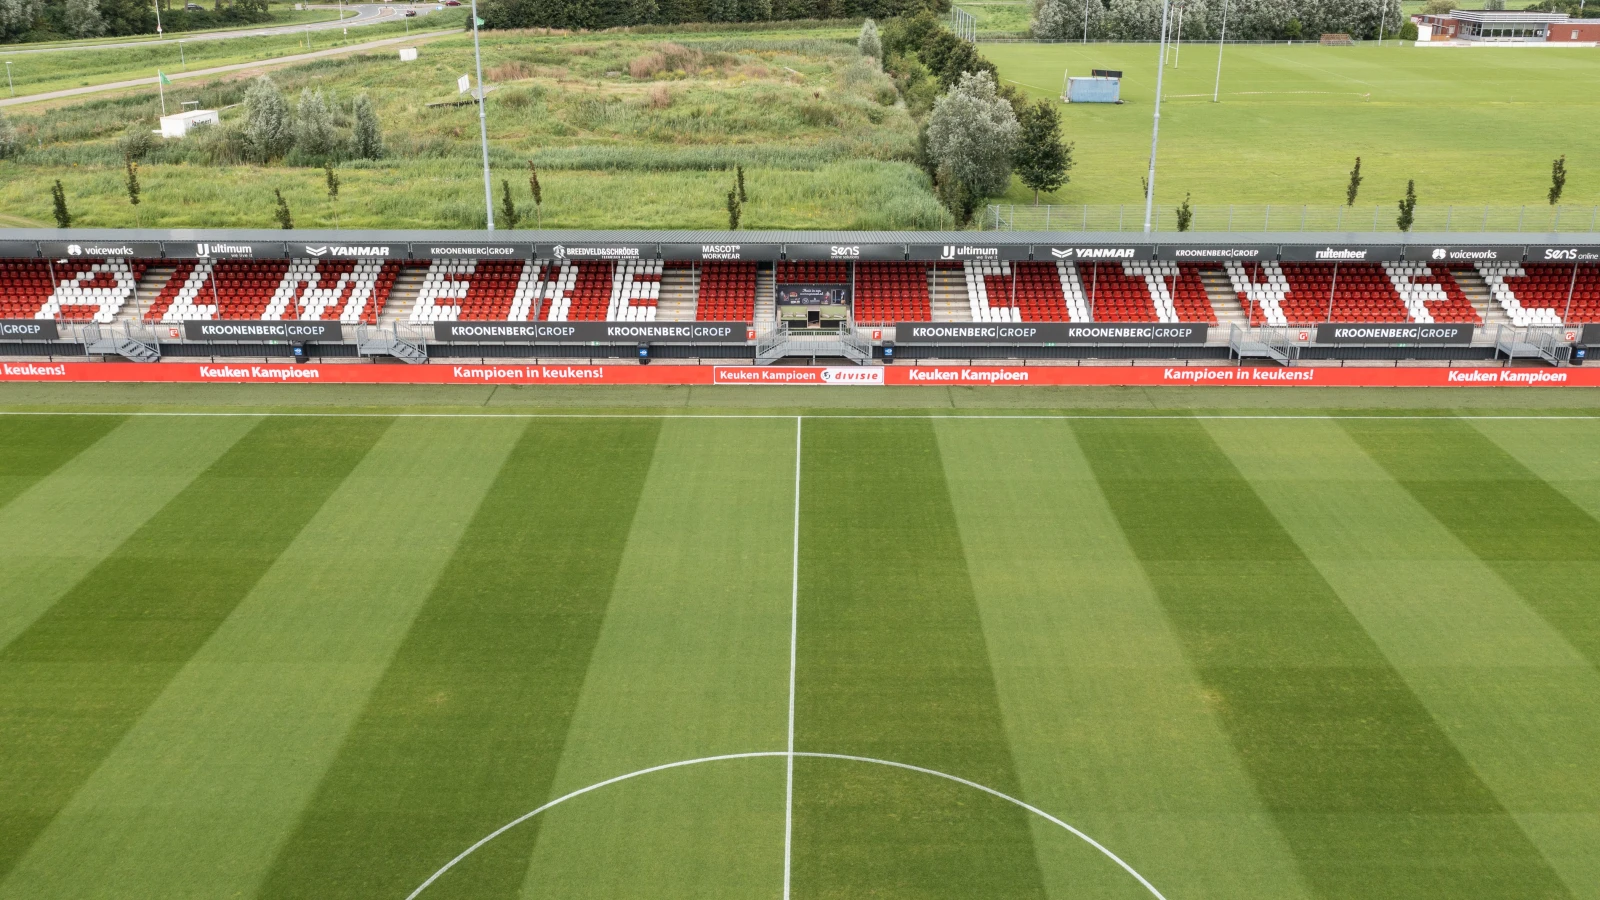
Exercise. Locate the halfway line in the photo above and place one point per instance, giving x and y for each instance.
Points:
(794, 631)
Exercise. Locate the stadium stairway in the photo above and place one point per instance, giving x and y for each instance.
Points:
(1224, 300)
(680, 284)
(951, 302)
(403, 296)
(766, 317)
(148, 289)
(1477, 292)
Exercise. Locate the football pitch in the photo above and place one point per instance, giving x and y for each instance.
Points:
(341, 649)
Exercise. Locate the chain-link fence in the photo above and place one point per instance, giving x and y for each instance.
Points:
(1283, 218)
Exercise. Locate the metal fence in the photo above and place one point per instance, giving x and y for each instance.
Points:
(1284, 218)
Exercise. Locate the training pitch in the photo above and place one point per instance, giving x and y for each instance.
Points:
(724, 651)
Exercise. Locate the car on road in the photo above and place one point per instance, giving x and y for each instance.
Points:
(452, 2)
(193, 7)
(411, 14)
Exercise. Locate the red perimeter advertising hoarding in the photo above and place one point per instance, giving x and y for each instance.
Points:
(563, 373)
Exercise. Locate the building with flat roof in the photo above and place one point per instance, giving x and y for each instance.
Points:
(1508, 26)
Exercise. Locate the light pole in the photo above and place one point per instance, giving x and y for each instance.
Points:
(483, 122)
(181, 61)
(1177, 50)
(1086, 20)
(1383, 7)
(1216, 90)
(157, 5)
(13, 87)
(1155, 128)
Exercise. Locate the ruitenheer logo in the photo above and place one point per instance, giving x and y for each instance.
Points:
(1331, 253)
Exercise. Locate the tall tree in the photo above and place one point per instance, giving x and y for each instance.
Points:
(366, 139)
(508, 207)
(735, 212)
(1558, 179)
(132, 183)
(537, 191)
(868, 42)
(83, 19)
(285, 221)
(313, 125)
(972, 132)
(58, 197)
(1041, 160)
(268, 130)
(1185, 214)
(1408, 207)
(1354, 187)
(738, 180)
(332, 181)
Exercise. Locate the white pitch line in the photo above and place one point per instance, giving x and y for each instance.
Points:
(794, 632)
(943, 417)
(1104, 851)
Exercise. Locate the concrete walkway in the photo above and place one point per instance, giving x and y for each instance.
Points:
(257, 65)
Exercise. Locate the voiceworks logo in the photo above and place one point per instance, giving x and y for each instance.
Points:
(1439, 253)
(74, 250)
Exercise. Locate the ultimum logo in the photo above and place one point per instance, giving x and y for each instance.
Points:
(205, 250)
(952, 252)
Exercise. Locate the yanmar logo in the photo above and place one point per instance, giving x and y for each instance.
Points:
(1092, 252)
(342, 250)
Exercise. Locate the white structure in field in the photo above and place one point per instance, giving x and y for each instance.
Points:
(177, 125)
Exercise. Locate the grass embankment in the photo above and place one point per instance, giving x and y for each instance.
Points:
(41, 73)
(629, 131)
(1472, 126)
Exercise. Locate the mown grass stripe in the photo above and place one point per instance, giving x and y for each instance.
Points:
(79, 677)
(693, 661)
(465, 730)
(32, 447)
(892, 664)
(1522, 705)
(67, 523)
(198, 797)
(1110, 727)
(1371, 795)
(1532, 535)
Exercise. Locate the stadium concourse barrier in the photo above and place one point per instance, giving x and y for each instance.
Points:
(421, 296)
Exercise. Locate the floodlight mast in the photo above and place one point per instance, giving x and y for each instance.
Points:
(483, 123)
(1155, 128)
(1216, 90)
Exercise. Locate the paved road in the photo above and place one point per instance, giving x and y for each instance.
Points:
(236, 67)
(366, 14)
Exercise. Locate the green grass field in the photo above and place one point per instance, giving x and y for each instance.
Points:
(1472, 126)
(1334, 653)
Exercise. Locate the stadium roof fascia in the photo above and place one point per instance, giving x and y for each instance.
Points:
(1501, 17)
(12, 241)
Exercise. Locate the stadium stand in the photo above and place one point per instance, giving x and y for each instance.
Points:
(472, 290)
(592, 290)
(88, 290)
(635, 290)
(1307, 293)
(889, 292)
(1430, 295)
(350, 291)
(1072, 293)
(813, 272)
(1539, 293)
(991, 292)
(727, 292)
(1121, 292)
